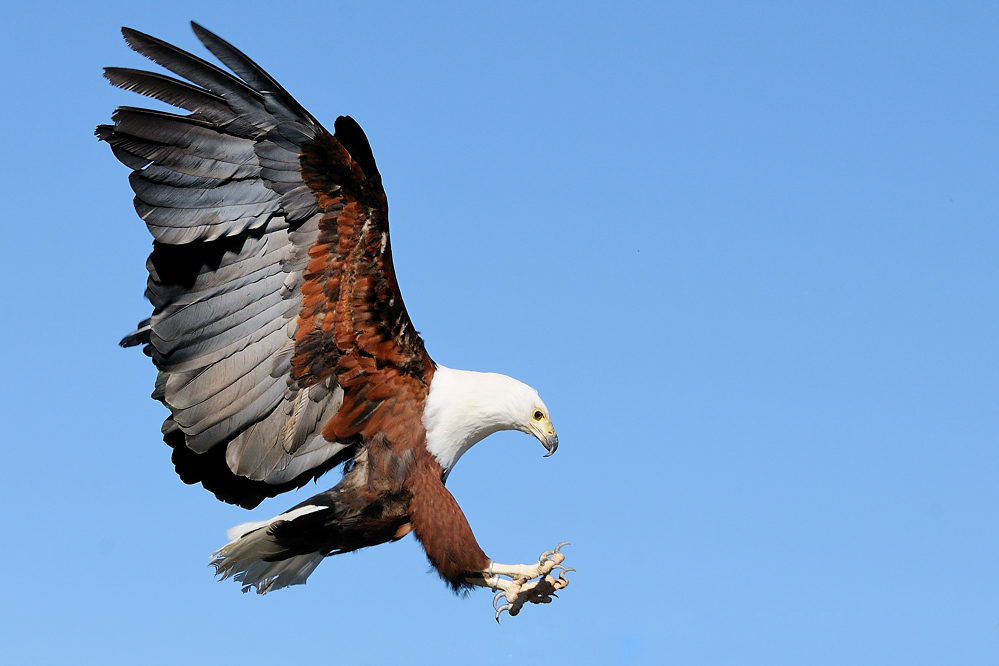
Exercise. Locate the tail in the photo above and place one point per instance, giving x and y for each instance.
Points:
(254, 557)
(283, 551)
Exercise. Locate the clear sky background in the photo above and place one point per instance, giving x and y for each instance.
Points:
(748, 256)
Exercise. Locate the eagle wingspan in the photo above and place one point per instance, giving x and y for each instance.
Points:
(279, 332)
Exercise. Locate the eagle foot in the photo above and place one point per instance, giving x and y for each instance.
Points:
(527, 583)
(540, 591)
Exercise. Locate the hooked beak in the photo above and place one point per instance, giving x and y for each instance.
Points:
(551, 443)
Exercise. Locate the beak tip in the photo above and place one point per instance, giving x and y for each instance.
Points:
(551, 443)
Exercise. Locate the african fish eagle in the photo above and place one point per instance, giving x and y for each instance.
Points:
(282, 342)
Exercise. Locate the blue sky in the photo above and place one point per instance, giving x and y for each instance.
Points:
(746, 254)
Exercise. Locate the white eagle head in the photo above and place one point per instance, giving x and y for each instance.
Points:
(465, 407)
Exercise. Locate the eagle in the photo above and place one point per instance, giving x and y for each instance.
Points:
(282, 343)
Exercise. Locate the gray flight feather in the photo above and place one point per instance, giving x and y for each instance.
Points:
(221, 191)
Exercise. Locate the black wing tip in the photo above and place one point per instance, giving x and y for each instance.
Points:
(110, 72)
(200, 30)
(131, 340)
(119, 76)
(140, 336)
(131, 34)
(138, 41)
(348, 132)
(211, 470)
(141, 42)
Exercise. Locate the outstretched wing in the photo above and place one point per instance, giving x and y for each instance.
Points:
(278, 328)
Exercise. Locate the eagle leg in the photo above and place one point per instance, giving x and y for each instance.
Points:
(527, 583)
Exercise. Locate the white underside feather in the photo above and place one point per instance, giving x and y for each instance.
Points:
(244, 557)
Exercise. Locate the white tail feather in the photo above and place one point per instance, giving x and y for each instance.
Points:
(250, 544)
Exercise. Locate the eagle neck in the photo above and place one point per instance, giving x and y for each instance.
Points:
(464, 407)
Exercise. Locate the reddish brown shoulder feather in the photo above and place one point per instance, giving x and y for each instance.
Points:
(353, 323)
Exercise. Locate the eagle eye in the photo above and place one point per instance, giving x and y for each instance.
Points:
(538, 415)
